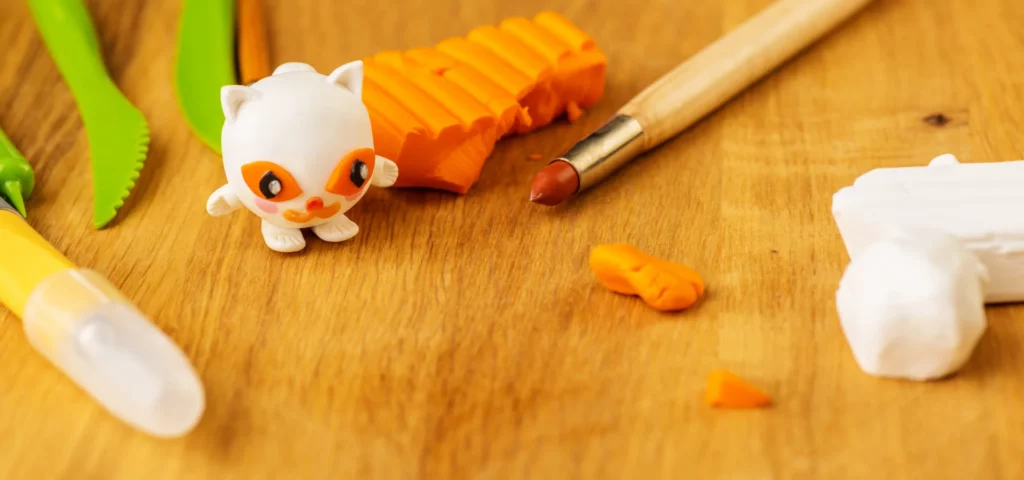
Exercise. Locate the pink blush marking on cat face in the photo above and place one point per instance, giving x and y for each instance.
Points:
(266, 206)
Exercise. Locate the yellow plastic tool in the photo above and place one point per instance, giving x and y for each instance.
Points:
(83, 325)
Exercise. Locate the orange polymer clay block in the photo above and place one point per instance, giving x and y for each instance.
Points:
(503, 106)
(725, 389)
(438, 111)
(663, 285)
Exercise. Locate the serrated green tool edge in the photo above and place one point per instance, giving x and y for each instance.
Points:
(117, 132)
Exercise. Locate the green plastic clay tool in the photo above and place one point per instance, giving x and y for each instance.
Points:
(117, 132)
(205, 62)
(16, 177)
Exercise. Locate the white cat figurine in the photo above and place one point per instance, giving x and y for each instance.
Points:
(298, 152)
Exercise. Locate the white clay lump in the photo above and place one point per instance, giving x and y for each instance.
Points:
(912, 305)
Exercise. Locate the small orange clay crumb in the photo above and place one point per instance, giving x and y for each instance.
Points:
(663, 285)
(535, 156)
(573, 111)
(725, 389)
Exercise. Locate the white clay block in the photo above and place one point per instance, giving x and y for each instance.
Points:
(911, 305)
(995, 173)
(980, 204)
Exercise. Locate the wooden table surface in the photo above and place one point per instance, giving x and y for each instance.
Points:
(465, 337)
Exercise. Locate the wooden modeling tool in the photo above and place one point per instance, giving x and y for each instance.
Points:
(253, 45)
(690, 91)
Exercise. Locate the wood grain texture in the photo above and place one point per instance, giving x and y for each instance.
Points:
(732, 63)
(464, 337)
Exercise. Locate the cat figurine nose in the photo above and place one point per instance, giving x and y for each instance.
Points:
(314, 204)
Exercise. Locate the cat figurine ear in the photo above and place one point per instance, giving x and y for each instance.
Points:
(232, 97)
(350, 77)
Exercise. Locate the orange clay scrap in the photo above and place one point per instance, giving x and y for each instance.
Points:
(725, 389)
(439, 111)
(663, 285)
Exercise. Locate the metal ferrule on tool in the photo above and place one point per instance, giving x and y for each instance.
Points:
(606, 149)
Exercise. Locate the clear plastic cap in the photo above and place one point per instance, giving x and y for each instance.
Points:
(88, 329)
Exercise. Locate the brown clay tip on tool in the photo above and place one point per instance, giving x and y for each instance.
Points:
(557, 182)
(691, 91)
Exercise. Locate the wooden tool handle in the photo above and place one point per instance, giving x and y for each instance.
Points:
(720, 71)
(253, 45)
